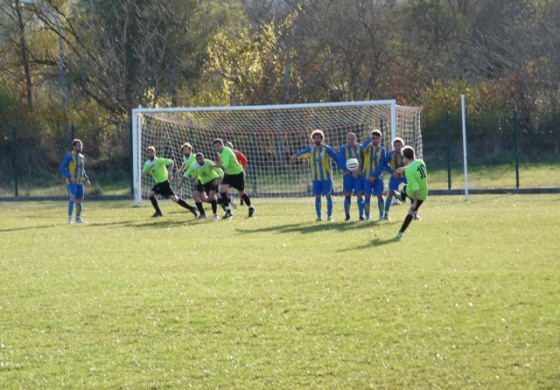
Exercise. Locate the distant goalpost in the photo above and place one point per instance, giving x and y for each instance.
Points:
(268, 136)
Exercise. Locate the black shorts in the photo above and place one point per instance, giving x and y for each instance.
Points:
(198, 187)
(418, 202)
(163, 189)
(210, 187)
(235, 181)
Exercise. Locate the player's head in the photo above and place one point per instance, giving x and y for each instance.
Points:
(375, 137)
(218, 145)
(199, 158)
(229, 144)
(317, 136)
(351, 139)
(151, 152)
(408, 153)
(398, 144)
(77, 145)
(186, 148)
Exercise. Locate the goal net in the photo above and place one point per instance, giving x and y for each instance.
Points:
(268, 136)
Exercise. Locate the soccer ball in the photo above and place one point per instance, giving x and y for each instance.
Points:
(352, 164)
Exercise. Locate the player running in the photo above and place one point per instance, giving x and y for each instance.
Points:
(206, 181)
(160, 169)
(234, 176)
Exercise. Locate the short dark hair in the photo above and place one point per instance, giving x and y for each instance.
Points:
(199, 155)
(408, 152)
(218, 141)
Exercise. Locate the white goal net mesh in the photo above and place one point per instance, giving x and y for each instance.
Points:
(268, 136)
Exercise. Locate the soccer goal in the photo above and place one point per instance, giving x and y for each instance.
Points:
(268, 136)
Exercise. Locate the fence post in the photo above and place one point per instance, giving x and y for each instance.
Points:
(448, 127)
(72, 133)
(14, 161)
(131, 132)
(516, 146)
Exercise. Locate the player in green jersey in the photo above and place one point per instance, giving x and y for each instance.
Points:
(161, 171)
(206, 181)
(416, 188)
(188, 160)
(234, 176)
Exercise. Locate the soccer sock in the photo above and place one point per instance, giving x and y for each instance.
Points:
(224, 199)
(406, 222)
(214, 205)
(380, 206)
(388, 205)
(78, 210)
(70, 208)
(367, 205)
(184, 204)
(361, 206)
(200, 208)
(247, 200)
(329, 206)
(318, 207)
(347, 202)
(155, 204)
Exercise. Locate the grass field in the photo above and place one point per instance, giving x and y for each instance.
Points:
(468, 299)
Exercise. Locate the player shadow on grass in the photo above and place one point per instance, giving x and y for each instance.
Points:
(315, 227)
(376, 242)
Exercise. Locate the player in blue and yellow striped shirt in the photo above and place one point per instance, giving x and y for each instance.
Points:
(73, 169)
(374, 164)
(395, 160)
(352, 182)
(319, 156)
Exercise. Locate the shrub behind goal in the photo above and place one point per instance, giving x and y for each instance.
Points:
(268, 136)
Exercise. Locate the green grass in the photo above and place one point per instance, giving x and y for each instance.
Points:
(468, 299)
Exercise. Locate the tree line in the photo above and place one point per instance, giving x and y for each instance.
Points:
(117, 55)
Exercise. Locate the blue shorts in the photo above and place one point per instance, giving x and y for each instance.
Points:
(76, 190)
(373, 189)
(395, 183)
(322, 187)
(351, 184)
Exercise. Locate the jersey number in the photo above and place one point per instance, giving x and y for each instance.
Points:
(422, 170)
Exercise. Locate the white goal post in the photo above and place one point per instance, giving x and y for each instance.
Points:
(268, 136)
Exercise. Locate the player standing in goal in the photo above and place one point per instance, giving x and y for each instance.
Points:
(72, 168)
(320, 167)
(160, 169)
(234, 176)
(352, 182)
(416, 188)
(374, 164)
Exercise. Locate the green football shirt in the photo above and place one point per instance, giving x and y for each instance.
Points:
(229, 162)
(204, 173)
(417, 179)
(158, 169)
